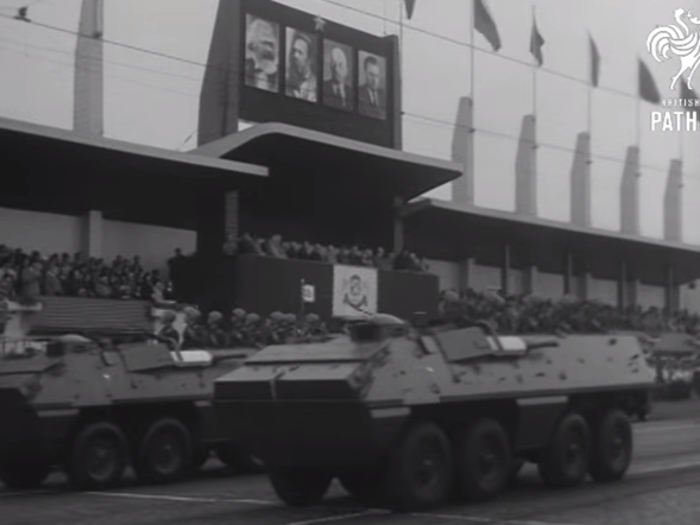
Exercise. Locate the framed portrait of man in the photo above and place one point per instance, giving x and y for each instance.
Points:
(302, 79)
(371, 93)
(338, 76)
(262, 49)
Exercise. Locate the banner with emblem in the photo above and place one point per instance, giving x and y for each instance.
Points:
(354, 290)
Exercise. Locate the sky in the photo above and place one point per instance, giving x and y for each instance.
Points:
(153, 99)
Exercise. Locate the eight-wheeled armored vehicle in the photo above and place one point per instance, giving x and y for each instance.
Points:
(407, 417)
(92, 407)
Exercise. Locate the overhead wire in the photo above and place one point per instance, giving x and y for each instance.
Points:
(228, 69)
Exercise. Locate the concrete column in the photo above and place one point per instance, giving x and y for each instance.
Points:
(397, 113)
(581, 182)
(672, 295)
(673, 203)
(398, 225)
(526, 169)
(92, 234)
(568, 273)
(584, 285)
(530, 280)
(466, 273)
(622, 286)
(463, 153)
(88, 92)
(505, 269)
(232, 216)
(629, 193)
(633, 292)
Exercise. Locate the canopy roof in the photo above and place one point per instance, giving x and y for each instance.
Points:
(60, 171)
(315, 163)
(445, 230)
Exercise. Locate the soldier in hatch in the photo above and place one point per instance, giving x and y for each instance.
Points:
(195, 335)
(168, 330)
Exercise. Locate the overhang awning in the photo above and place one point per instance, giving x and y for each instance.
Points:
(445, 230)
(311, 162)
(60, 171)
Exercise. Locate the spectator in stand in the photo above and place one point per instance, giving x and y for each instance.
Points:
(274, 247)
(249, 246)
(332, 254)
(31, 281)
(382, 261)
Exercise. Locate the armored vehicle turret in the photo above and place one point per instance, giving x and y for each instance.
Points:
(93, 408)
(406, 417)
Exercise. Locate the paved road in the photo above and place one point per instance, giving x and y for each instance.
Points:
(662, 488)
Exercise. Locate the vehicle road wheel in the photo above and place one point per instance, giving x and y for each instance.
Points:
(239, 458)
(612, 447)
(418, 474)
(565, 462)
(164, 453)
(98, 457)
(23, 476)
(300, 487)
(484, 460)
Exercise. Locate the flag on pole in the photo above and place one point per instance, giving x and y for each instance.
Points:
(536, 42)
(410, 6)
(595, 61)
(647, 85)
(484, 24)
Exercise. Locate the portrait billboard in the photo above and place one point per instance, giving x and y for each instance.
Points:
(301, 78)
(338, 76)
(262, 50)
(371, 96)
(269, 62)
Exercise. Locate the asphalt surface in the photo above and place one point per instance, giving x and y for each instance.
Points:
(662, 487)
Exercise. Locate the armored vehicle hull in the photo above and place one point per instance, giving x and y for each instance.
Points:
(406, 418)
(93, 410)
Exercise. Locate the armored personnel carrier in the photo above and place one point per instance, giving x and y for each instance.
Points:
(92, 408)
(408, 417)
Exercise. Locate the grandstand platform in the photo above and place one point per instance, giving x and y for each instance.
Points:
(307, 185)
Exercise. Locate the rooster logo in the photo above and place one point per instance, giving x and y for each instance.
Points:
(681, 41)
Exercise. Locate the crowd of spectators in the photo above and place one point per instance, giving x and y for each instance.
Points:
(521, 314)
(355, 255)
(26, 276)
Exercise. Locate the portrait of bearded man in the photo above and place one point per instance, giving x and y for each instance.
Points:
(262, 54)
(301, 80)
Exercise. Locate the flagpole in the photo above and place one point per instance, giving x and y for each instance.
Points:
(589, 93)
(471, 63)
(534, 74)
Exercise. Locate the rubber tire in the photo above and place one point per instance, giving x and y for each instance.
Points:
(470, 442)
(552, 466)
(239, 458)
(144, 465)
(399, 489)
(603, 468)
(300, 487)
(76, 467)
(24, 475)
